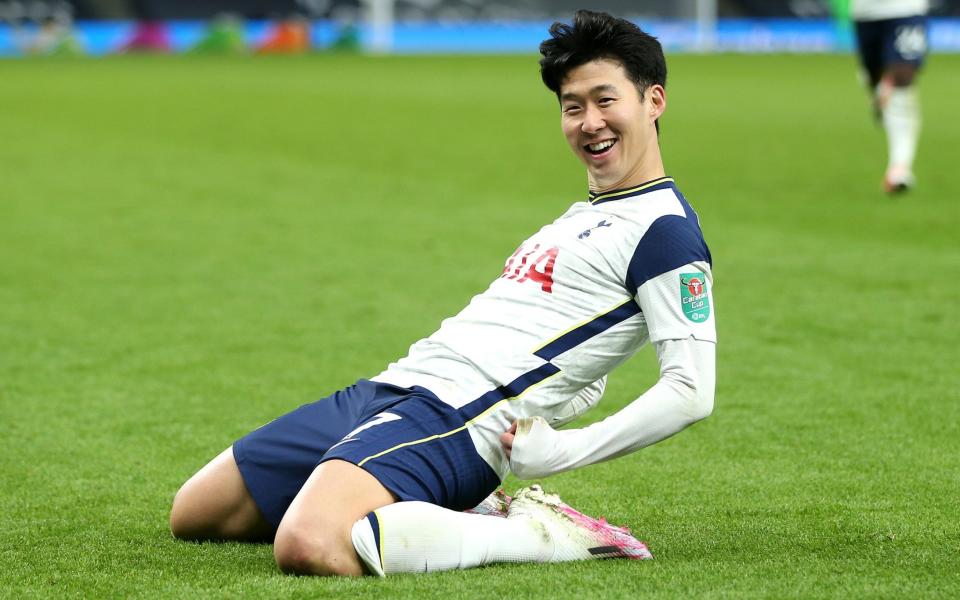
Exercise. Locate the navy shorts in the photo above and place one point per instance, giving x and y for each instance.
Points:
(414, 444)
(888, 41)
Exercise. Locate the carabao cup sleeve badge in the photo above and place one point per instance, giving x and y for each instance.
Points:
(693, 296)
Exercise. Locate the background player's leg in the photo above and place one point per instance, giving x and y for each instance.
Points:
(215, 504)
(314, 535)
(870, 51)
(901, 121)
(901, 74)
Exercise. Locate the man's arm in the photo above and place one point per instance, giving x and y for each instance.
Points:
(682, 396)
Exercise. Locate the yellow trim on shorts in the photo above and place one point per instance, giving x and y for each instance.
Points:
(458, 429)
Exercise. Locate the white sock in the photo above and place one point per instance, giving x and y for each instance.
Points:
(416, 537)
(901, 120)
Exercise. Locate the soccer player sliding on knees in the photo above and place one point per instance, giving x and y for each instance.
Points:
(399, 473)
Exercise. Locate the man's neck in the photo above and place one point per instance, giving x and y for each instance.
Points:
(633, 179)
(644, 171)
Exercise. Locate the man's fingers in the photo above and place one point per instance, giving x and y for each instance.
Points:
(506, 438)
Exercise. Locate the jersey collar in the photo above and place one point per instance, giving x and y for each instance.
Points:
(650, 186)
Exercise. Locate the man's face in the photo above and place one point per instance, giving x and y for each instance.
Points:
(607, 124)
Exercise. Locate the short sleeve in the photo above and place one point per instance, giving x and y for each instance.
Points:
(678, 304)
(671, 279)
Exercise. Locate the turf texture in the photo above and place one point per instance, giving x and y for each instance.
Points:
(192, 246)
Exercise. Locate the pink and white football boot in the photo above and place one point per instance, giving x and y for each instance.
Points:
(575, 535)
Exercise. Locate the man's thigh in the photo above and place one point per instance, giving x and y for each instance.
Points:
(870, 48)
(408, 440)
(420, 450)
(905, 42)
(277, 459)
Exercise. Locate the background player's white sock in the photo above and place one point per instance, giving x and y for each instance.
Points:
(901, 120)
(414, 537)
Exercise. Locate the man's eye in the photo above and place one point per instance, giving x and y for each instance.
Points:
(571, 109)
(605, 101)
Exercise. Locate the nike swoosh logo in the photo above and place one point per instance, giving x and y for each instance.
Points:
(341, 442)
(377, 420)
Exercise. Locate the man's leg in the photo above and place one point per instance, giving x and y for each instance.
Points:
(325, 527)
(870, 51)
(418, 537)
(344, 522)
(905, 46)
(901, 121)
(314, 535)
(214, 504)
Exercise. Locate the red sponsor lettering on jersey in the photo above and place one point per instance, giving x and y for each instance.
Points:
(514, 273)
(540, 270)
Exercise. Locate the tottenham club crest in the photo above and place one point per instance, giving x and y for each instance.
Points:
(693, 296)
(586, 233)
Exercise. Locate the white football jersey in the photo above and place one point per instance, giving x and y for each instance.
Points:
(575, 300)
(875, 10)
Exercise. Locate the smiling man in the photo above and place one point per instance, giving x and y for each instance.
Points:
(606, 120)
(375, 478)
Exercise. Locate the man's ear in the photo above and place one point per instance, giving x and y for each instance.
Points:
(658, 101)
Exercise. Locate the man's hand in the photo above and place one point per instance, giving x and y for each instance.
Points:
(506, 439)
(533, 447)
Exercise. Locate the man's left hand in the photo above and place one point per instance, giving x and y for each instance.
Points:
(532, 446)
(506, 439)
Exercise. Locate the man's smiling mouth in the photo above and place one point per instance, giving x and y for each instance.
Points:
(599, 148)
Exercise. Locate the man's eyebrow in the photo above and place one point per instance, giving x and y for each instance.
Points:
(603, 87)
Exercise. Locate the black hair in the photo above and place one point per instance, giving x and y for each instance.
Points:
(597, 35)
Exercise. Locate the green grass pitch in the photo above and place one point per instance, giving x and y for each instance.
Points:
(192, 246)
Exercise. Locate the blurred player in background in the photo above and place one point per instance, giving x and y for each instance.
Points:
(892, 43)
(375, 478)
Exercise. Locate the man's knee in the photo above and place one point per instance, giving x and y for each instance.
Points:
(192, 517)
(183, 523)
(314, 537)
(215, 504)
(901, 74)
(302, 552)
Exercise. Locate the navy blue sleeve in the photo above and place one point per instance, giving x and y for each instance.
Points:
(671, 242)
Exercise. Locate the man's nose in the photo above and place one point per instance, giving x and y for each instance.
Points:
(592, 120)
